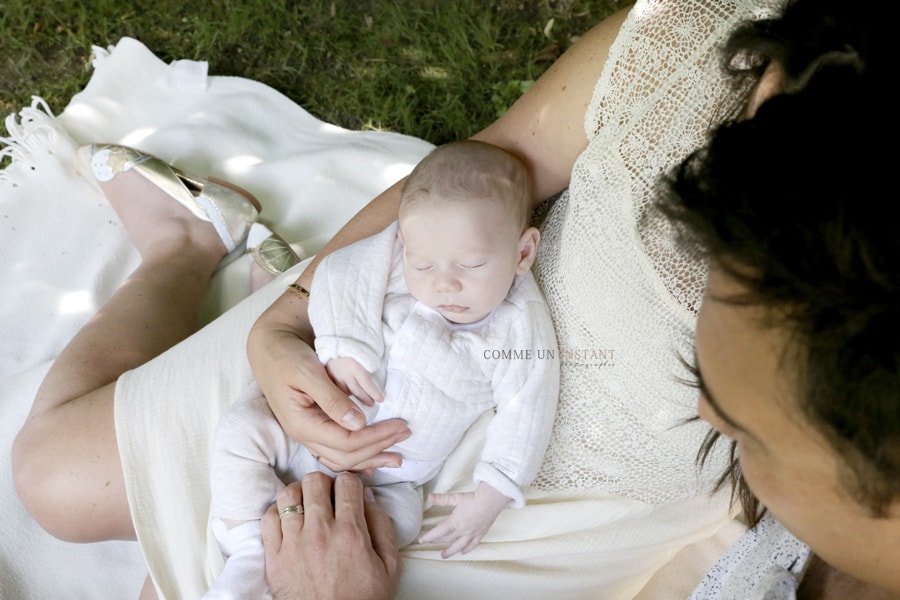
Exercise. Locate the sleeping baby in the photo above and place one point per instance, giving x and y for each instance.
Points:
(435, 320)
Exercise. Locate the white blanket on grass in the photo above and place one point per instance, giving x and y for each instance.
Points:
(63, 251)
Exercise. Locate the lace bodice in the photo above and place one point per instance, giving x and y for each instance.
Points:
(624, 299)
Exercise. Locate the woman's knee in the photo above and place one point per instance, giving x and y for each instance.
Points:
(63, 489)
(33, 475)
(36, 478)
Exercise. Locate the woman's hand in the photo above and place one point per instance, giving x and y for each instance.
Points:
(304, 399)
(344, 550)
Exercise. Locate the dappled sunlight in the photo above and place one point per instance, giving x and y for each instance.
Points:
(432, 72)
(78, 302)
(40, 315)
(87, 122)
(241, 163)
(136, 137)
(397, 171)
(415, 54)
(80, 110)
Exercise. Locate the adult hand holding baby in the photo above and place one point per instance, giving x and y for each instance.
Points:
(310, 407)
(350, 539)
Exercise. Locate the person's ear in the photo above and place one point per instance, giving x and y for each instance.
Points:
(528, 243)
(771, 83)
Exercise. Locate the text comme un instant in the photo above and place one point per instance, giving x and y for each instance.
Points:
(574, 355)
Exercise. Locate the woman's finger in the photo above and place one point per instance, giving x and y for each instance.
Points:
(311, 424)
(361, 464)
(308, 378)
(370, 445)
(333, 402)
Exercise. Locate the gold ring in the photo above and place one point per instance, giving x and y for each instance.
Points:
(288, 510)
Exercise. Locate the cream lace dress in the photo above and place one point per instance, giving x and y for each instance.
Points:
(619, 493)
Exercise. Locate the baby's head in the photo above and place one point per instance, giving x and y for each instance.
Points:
(464, 226)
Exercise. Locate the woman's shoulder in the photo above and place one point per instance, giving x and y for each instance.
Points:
(664, 47)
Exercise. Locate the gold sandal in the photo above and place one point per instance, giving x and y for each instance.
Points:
(228, 208)
(270, 251)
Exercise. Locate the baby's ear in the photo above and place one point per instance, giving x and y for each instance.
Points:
(528, 243)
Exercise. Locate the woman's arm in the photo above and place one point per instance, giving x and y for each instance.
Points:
(545, 127)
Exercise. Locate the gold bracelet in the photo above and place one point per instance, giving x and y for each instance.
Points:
(300, 289)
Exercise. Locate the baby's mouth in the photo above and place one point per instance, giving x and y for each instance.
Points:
(453, 308)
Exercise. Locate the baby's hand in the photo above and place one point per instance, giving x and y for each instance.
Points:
(472, 516)
(352, 378)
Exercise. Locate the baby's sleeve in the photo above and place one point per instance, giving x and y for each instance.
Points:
(347, 298)
(526, 387)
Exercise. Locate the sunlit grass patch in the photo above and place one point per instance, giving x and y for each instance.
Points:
(437, 69)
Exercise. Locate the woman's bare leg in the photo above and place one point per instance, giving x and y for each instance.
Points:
(65, 459)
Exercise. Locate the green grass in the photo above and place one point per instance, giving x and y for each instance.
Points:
(437, 69)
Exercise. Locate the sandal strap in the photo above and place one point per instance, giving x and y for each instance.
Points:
(229, 210)
(217, 220)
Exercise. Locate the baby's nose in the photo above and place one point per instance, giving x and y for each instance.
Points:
(447, 283)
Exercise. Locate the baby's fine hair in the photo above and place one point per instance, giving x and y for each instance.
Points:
(471, 171)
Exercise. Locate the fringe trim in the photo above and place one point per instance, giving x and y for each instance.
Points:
(99, 54)
(32, 130)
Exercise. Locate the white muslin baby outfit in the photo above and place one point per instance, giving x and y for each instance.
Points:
(438, 376)
(441, 376)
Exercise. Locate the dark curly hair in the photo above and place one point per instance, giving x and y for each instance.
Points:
(809, 35)
(794, 204)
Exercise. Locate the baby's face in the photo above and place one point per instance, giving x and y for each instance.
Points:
(460, 258)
